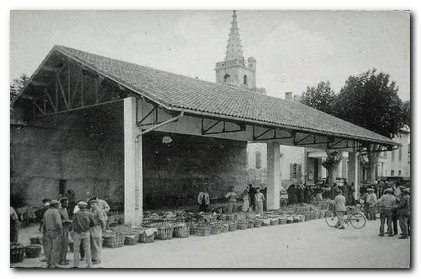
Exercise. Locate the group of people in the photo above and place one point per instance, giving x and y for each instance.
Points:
(394, 206)
(300, 193)
(85, 224)
(253, 200)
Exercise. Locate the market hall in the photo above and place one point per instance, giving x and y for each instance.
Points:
(132, 134)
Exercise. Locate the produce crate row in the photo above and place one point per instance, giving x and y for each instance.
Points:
(168, 228)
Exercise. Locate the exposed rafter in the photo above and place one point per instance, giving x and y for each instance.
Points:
(214, 127)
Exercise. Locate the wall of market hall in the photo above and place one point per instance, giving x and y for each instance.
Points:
(85, 152)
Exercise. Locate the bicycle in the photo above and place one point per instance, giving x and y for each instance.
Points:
(353, 216)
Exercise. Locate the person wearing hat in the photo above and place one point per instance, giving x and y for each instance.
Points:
(52, 230)
(371, 199)
(96, 232)
(82, 222)
(387, 202)
(404, 212)
(64, 214)
(45, 206)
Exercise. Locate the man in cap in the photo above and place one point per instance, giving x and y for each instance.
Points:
(371, 199)
(64, 214)
(103, 206)
(387, 202)
(52, 229)
(404, 212)
(82, 222)
(96, 232)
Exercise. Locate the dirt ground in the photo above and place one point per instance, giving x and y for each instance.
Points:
(302, 245)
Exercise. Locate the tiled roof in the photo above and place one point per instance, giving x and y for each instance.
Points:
(200, 97)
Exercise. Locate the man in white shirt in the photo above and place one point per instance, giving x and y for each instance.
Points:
(203, 200)
(340, 209)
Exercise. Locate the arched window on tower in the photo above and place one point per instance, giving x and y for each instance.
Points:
(245, 79)
(227, 78)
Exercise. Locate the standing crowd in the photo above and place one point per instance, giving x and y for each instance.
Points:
(83, 226)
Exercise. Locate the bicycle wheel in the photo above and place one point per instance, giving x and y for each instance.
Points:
(357, 220)
(331, 218)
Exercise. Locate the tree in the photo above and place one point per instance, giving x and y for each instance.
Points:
(320, 97)
(331, 163)
(371, 101)
(406, 110)
(16, 86)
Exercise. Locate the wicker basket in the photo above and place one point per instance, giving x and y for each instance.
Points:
(165, 232)
(224, 228)
(182, 231)
(282, 221)
(131, 239)
(193, 228)
(242, 225)
(274, 222)
(290, 220)
(232, 227)
(250, 224)
(16, 252)
(203, 231)
(216, 229)
(36, 240)
(143, 238)
(113, 240)
(33, 250)
(257, 223)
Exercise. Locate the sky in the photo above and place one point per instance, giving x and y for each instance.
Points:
(293, 49)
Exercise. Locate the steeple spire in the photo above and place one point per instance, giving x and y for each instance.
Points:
(234, 50)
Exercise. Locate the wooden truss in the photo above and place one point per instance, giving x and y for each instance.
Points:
(219, 126)
(70, 87)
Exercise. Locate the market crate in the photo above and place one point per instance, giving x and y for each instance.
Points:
(250, 224)
(182, 231)
(282, 220)
(113, 240)
(242, 225)
(257, 223)
(203, 231)
(224, 228)
(16, 252)
(232, 227)
(33, 250)
(131, 239)
(216, 229)
(165, 232)
(143, 238)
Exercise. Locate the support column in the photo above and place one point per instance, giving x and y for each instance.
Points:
(353, 171)
(133, 172)
(273, 175)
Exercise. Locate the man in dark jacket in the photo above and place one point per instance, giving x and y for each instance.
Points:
(82, 223)
(404, 212)
(64, 214)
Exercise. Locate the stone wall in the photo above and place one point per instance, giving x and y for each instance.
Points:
(181, 168)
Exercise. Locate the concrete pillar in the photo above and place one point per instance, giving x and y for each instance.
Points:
(273, 177)
(133, 173)
(353, 176)
(344, 170)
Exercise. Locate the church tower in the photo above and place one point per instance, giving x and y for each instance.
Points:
(234, 70)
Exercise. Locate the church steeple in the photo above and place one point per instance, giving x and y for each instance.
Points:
(235, 70)
(234, 50)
